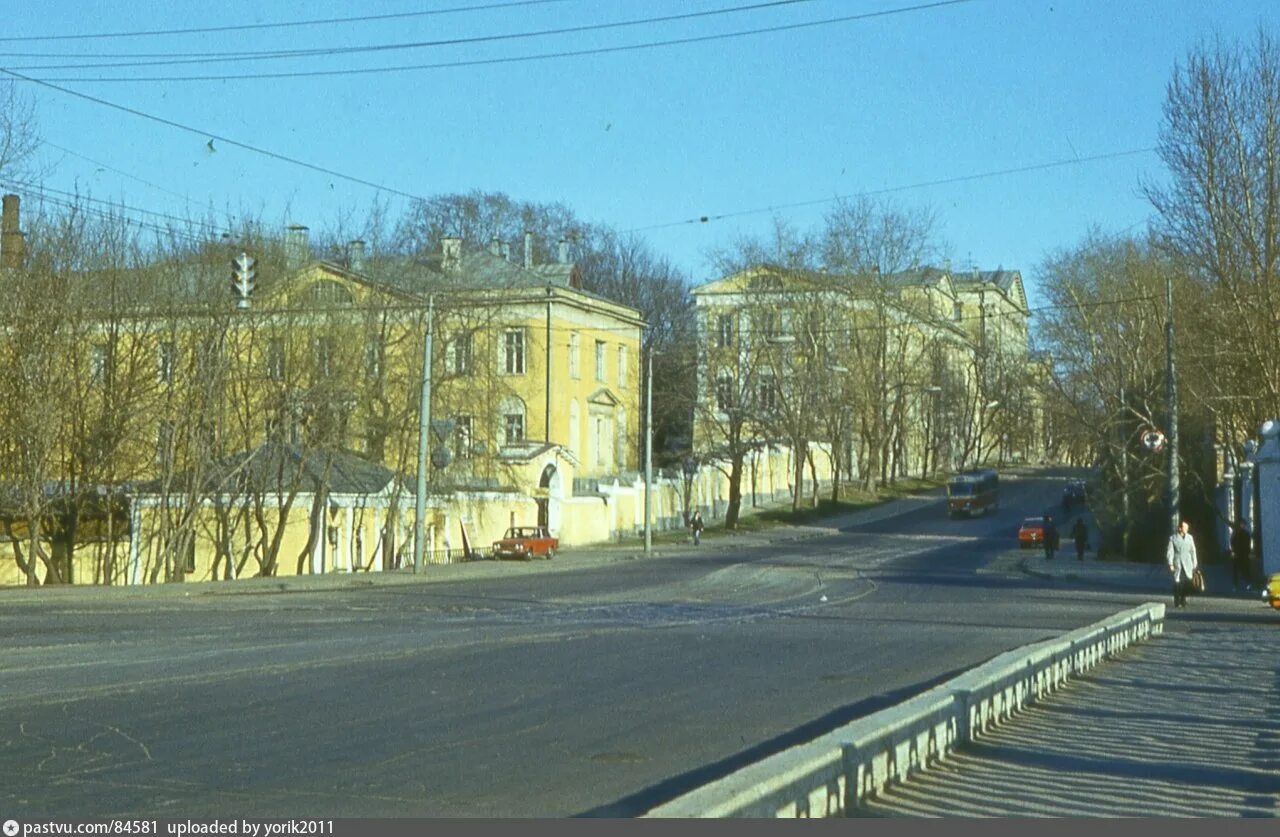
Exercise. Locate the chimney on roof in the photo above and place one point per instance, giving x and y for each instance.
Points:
(495, 247)
(12, 244)
(297, 249)
(355, 256)
(450, 253)
(564, 251)
(528, 249)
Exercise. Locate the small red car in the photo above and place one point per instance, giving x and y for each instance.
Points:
(1031, 533)
(526, 543)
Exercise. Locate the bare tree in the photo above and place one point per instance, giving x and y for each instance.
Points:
(1104, 327)
(19, 132)
(1220, 212)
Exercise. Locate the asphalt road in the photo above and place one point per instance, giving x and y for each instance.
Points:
(538, 693)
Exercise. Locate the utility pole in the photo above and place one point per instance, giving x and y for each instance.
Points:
(1174, 488)
(424, 434)
(648, 455)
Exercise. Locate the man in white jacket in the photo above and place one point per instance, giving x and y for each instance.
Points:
(1181, 558)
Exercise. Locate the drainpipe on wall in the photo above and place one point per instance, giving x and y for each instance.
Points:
(547, 405)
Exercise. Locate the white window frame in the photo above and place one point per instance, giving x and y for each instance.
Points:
(462, 354)
(600, 364)
(623, 360)
(275, 361)
(724, 329)
(324, 350)
(166, 362)
(575, 371)
(512, 421)
(98, 359)
(514, 351)
(725, 394)
(463, 436)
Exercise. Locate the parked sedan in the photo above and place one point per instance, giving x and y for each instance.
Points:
(525, 543)
(1031, 533)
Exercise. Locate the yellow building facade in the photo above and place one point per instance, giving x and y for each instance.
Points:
(317, 367)
(903, 374)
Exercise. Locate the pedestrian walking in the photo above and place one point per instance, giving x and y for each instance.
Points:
(1051, 538)
(696, 526)
(1080, 534)
(1181, 558)
(1241, 549)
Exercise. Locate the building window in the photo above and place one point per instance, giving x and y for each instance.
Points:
(768, 321)
(325, 351)
(767, 393)
(725, 390)
(164, 444)
(724, 330)
(374, 356)
(513, 428)
(622, 366)
(167, 362)
(574, 371)
(957, 312)
(460, 354)
(602, 440)
(513, 351)
(599, 360)
(275, 359)
(463, 439)
(98, 363)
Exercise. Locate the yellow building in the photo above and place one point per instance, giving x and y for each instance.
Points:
(183, 388)
(882, 375)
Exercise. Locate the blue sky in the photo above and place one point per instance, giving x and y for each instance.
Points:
(641, 139)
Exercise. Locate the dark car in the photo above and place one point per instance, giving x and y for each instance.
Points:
(1032, 532)
(1073, 494)
(525, 543)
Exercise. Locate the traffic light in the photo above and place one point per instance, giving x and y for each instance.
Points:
(244, 274)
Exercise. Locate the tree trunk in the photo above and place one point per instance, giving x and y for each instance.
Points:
(735, 493)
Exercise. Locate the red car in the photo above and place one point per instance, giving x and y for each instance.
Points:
(1032, 532)
(526, 543)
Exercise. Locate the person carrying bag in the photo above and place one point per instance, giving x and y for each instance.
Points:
(1180, 556)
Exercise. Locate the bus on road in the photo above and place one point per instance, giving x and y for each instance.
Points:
(973, 492)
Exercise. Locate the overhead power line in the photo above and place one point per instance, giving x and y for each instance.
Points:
(946, 181)
(245, 27)
(521, 58)
(328, 52)
(211, 135)
(78, 200)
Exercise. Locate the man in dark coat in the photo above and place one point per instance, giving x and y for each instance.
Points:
(1050, 538)
(1080, 534)
(1241, 547)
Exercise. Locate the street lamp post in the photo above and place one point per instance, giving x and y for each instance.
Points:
(424, 423)
(1174, 487)
(648, 455)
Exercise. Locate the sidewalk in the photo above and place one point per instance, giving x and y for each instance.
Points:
(1185, 725)
(1142, 577)
(666, 544)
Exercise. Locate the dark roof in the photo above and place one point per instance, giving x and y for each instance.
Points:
(1002, 279)
(475, 271)
(275, 464)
